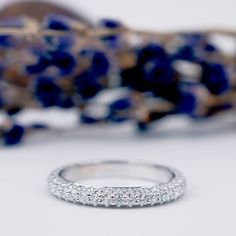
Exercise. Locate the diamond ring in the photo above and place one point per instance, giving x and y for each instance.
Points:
(151, 184)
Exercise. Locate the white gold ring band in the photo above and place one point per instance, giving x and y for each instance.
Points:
(166, 184)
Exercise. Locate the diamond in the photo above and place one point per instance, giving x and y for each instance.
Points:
(116, 196)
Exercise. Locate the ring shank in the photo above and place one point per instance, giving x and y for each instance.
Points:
(68, 183)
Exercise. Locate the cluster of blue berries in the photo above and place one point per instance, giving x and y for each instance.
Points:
(69, 70)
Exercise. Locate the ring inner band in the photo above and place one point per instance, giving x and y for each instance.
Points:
(128, 174)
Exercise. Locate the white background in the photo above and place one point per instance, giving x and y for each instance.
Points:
(205, 155)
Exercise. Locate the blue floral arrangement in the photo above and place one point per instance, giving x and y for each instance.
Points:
(61, 62)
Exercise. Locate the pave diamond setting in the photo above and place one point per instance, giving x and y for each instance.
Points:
(116, 196)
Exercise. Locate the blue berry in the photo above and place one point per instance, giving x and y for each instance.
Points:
(13, 135)
(215, 77)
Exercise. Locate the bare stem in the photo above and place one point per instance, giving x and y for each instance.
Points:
(32, 26)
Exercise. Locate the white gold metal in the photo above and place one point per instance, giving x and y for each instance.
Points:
(67, 183)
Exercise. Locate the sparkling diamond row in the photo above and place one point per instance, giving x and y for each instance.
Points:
(116, 196)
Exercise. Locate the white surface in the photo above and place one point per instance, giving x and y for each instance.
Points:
(207, 157)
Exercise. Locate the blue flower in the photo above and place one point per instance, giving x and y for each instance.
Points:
(158, 71)
(156, 76)
(210, 48)
(121, 104)
(38, 126)
(100, 64)
(110, 23)
(5, 41)
(111, 40)
(150, 52)
(11, 111)
(63, 60)
(187, 103)
(14, 135)
(99, 61)
(133, 78)
(142, 127)
(153, 67)
(87, 84)
(215, 77)
(117, 110)
(47, 91)
(57, 22)
(160, 79)
(60, 42)
(40, 66)
(186, 52)
(65, 102)
(193, 39)
(86, 119)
